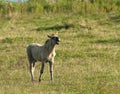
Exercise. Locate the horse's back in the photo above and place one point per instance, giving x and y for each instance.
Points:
(34, 50)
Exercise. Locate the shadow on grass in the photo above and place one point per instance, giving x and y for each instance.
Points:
(115, 19)
(55, 27)
(16, 39)
(110, 41)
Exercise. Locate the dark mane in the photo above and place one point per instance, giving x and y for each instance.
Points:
(46, 41)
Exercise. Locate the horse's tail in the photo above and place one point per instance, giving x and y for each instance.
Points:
(29, 53)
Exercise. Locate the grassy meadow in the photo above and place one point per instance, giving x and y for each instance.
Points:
(87, 60)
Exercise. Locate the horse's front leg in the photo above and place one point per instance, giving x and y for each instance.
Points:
(51, 70)
(41, 71)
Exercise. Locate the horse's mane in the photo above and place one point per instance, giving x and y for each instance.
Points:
(48, 44)
(46, 41)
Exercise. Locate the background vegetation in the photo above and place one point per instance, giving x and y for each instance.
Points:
(88, 57)
(38, 7)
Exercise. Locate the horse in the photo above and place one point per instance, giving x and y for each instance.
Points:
(43, 53)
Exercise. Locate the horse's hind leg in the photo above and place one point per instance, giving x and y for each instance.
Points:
(31, 62)
(32, 68)
(41, 71)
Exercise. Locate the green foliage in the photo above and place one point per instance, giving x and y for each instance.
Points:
(38, 7)
(34, 7)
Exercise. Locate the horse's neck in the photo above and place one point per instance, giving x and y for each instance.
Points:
(49, 47)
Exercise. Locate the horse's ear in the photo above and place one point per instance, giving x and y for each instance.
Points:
(49, 36)
(52, 35)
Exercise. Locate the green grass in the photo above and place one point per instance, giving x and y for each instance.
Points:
(87, 60)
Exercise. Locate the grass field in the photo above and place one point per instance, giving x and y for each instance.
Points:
(87, 60)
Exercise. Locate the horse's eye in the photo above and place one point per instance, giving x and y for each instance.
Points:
(56, 38)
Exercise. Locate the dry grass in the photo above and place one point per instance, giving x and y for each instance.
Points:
(87, 60)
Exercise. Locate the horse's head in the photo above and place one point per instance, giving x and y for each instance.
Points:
(55, 39)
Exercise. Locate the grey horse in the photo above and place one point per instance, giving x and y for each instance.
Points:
(43, 53)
